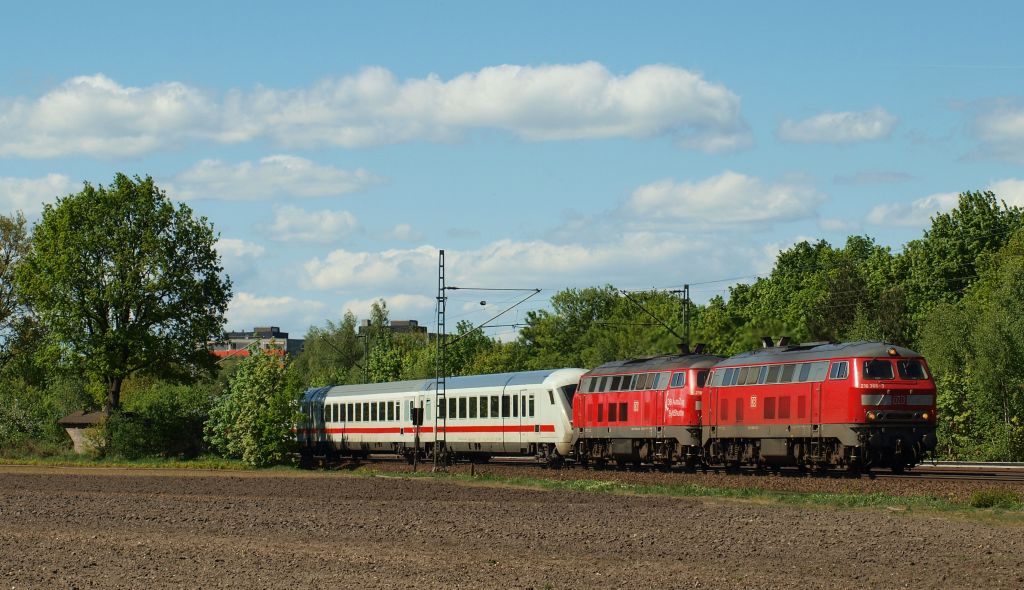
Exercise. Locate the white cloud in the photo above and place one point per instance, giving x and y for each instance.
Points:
(844, 127)
(345, 270)
(405, 233)
(241, 259)
(1000, 129)
(914, 214)
(1010, 190)
(292, 224)
(28, 195)
(919, 212)
(401, 306)
(847, 225)
(247, 310)
(505, 263)
(728, 198)
(273, 176)
(95, 115)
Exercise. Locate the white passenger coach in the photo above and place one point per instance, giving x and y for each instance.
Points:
(507, 414)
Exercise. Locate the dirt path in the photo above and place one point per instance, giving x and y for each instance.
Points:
(68, 528)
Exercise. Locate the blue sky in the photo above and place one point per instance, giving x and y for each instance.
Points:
(337, 146)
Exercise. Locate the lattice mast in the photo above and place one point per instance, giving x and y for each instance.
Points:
(440, 371)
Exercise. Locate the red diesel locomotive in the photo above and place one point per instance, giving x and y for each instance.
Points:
(857, 405)
(641, 411)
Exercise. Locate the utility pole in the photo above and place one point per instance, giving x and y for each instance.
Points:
(440, 372)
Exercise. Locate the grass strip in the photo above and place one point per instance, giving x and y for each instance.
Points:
(1010, 504)
(74, 460)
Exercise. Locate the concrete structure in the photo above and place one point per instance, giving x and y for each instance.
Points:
(78, 425)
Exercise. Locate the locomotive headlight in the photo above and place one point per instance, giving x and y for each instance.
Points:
(924, 415)
(871, 416)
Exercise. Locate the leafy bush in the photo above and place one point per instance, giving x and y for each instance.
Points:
(253, 421)
(29, 414)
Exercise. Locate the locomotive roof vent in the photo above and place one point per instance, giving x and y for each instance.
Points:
(699, 348)
(767, 342)
(784, 341)
(684, 348)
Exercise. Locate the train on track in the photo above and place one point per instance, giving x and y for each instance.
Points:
(855, 405)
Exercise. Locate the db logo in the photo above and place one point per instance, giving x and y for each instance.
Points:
(753, 401)
(636, 406)
(899, 400)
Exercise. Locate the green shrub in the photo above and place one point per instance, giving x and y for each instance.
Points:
(253, 421)
(996, 499)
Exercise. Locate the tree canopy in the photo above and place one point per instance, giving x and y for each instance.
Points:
(125, 281)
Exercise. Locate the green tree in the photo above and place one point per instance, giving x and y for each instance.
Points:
(942, 265)
(124, 281)
(385, 362)
(253, 421)
(975, 346)
(14, 244)
(330, 353)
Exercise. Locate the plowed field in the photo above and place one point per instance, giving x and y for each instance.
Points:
(76, 528)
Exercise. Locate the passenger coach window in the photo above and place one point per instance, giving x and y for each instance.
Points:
(453, 406)
(483, 406)
(515, 406)
(351, 413)
(840, 370)
(505, 403)
(380, 410)
(531, 405)
(878, 369)
(911, 370)
(462, 407)
(472, 407)
(373, 412)
(398, 411)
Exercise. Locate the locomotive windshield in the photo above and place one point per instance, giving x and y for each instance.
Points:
(702, 377)
(911, 370)
(878, 369)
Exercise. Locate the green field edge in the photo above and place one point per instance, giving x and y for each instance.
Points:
(1010, 505)
(1005, 504)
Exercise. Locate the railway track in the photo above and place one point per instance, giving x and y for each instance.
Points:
(940, 470)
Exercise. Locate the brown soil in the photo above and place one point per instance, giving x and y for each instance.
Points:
(77, 528)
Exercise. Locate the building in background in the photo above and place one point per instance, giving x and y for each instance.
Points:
(397, 327)
(267, 338)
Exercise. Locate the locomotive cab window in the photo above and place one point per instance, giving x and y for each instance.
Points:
(877, 369)
(911, 370)
(702, 378)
